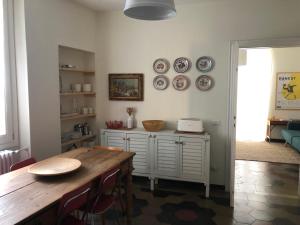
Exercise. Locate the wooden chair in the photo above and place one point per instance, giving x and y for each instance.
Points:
(72, 201)
(106, 198)
(108, 148)
(22, 164)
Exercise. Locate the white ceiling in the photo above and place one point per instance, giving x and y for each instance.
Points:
(108, 5)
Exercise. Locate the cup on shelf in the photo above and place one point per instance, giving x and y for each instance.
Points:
(87, 87)
(85, 110)
(77, 87)
(91, 110)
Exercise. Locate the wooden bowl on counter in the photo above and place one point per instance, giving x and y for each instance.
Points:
(153, 125)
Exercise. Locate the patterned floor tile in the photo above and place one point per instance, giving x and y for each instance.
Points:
(185, 213)
(258, 222)
(283, 221)
(262, 215)
(265, 195)
(243, 217)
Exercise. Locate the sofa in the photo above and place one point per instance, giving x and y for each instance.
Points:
(292, 134)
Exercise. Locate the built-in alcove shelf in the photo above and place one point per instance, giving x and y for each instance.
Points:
(81, 73)
(85, 72)
(78, 93)
(77, 117)
(76, 141)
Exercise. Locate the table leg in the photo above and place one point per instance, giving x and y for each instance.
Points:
(299, 182)
(207, 190)
(129, 192)
(152, 184)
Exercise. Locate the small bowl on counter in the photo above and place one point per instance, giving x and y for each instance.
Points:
(153, 125)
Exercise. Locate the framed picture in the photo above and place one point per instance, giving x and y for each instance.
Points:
(288, 90)
(126, 87)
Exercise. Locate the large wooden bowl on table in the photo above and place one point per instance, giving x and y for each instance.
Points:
(153, 125)
(54, 166)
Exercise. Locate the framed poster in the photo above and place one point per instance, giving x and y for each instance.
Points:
(288, 90)
(126, 87)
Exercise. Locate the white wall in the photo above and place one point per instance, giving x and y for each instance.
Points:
(284, 60)
(49, 24)
(126, 45)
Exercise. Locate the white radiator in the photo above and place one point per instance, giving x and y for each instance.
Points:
(10, 157)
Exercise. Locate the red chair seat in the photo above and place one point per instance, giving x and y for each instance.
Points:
(70, 220)
(104, 203)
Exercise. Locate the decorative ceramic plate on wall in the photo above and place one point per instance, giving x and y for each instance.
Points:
(204, 83)
(205, 64)
(161, 66)
(182, 65)
(160, 82)
(181, 82)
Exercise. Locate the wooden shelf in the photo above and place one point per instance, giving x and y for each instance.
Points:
(86, 72)
(77, 117)
(74, 141)
(78, 93)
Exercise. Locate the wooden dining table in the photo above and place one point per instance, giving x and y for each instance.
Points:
(33, 200)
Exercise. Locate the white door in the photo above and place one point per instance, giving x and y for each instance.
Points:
(232, 114)
(166, 153)
(139, 143)
(114, 139)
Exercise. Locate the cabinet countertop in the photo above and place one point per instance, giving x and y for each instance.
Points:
(162, 132)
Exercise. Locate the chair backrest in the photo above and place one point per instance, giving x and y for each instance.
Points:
(108, 148)
(22, 164)
(108, 180)
(73, 200)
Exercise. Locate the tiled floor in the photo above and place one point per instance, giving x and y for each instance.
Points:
(266, 194)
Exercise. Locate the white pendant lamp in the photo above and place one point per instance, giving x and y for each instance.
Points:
(150, 9)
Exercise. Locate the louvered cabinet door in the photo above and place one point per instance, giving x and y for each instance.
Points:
(192, 158)
(166, 153)
(114, 139)
(139, 143)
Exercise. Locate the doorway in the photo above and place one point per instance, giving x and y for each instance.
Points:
(258, 73)
(232, 119)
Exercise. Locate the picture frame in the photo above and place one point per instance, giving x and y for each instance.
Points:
(126, 86)
(287, 91)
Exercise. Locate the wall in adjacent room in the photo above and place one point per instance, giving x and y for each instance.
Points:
(284, 60)
(49, 24)
(206, 28)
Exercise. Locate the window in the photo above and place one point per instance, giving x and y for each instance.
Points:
(8, 109)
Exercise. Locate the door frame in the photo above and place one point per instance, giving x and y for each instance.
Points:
(235, 45)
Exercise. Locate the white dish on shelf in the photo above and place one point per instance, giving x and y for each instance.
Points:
(87, 87)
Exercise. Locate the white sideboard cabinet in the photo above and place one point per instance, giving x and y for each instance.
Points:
(165, 154)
